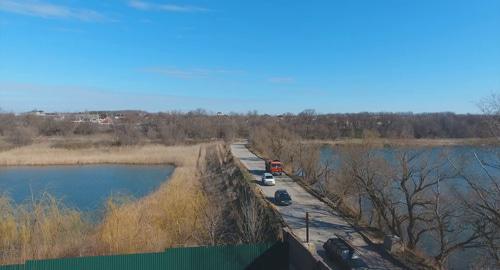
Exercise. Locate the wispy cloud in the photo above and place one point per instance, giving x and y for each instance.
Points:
(47, 10)
(143, 5)
(195, 73)
(281, 80)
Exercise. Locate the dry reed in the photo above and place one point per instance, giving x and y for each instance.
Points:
(42, 228)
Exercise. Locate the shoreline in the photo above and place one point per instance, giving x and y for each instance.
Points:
(86, 164)
(478, 142)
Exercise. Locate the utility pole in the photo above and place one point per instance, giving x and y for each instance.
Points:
(307, 227)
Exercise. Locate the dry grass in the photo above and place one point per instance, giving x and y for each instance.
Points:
(39, 229)
(171, 216)
(43, 154)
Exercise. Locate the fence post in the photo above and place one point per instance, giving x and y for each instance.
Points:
(307, 227)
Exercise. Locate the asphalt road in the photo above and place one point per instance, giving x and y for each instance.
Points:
(324, 221)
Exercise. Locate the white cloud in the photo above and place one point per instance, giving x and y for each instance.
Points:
(281, 80)
(142, 5)
(47, 10)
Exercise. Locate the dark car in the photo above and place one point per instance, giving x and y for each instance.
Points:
(281, 197)
(341, 252)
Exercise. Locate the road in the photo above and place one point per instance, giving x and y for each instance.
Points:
(324, 221)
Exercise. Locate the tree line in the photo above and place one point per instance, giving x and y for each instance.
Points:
(172, 128)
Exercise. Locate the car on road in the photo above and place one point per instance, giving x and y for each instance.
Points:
(268, 179)
(281, 197)
(274, 167)
(341, 252)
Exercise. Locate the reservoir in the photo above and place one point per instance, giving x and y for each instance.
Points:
(84, 187)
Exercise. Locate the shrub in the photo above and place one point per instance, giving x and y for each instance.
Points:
(85, 128)
(20, 136)
(126, 134)
(50, 127)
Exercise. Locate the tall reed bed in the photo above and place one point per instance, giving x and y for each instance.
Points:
(42, 228)
(43, 154)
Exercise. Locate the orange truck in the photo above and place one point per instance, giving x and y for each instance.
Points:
(274, 167)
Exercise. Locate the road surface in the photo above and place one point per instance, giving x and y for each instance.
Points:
(324, 221)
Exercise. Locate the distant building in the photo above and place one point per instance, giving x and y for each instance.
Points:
(106, 121)
(86, 118)
(36, 112)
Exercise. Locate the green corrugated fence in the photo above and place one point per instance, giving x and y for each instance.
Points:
(259, 256)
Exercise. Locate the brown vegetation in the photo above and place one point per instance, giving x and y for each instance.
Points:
(20, 136)
(40, 229)
(243, 215)
(206, 202)
(44, 154)
(171, 128)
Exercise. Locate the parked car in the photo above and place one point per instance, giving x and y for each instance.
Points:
(268, 179)
(341, 252)
(281, 197)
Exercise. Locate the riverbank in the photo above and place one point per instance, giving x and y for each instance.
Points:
(412, 142)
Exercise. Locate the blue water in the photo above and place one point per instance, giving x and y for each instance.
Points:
(83, 187)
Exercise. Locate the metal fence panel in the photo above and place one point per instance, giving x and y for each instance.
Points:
(259, 256)
(13, 267)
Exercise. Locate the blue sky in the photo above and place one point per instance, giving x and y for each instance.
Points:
(269, 56)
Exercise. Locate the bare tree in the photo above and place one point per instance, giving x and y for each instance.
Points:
(483, 203)
(126, 134)
(86, 128)
(170, 134)
(370, 173)
(213, 222)
(7, 121)
(236, 214)
(402, 196)
(251, 223)
(308, 159)
(418, 173)
(20, 136)
(342, 188)
(490, 106)
(450, 228)
(483, 198)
